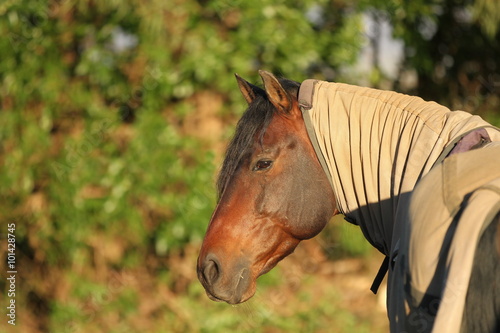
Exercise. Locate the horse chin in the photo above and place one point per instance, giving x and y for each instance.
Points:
(233, 299)
(243, 288)
(249, 293)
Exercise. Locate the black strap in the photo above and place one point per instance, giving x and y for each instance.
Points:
(380, 275)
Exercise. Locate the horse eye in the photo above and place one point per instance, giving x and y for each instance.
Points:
(262, 165)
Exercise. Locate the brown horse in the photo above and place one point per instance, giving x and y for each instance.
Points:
(278, 185)
(273, 193)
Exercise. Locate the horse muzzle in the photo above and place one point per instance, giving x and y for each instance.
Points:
(225, 283)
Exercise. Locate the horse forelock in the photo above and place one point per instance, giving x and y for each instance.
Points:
(251, 126)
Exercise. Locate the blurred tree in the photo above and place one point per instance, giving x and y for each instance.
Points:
(487, 14)
(108, 114)
(453, 45)
(107, 125)
(77, 73)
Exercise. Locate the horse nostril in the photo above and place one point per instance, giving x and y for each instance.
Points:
(211, 271)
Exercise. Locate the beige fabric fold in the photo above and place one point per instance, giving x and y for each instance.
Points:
(375, 147)
(440, 242)
(377, 144)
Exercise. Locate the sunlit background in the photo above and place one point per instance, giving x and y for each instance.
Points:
(114, 118)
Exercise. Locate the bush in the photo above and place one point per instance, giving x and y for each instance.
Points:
(102, 171)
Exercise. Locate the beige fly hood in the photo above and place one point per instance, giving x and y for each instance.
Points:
(375, 145)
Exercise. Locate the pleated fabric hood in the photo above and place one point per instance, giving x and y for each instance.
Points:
(375, 145)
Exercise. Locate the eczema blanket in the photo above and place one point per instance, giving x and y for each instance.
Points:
(375, 147)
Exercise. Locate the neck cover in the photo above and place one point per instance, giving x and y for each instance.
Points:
(374, 146)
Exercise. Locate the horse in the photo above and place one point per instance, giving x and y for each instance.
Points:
(304, 152)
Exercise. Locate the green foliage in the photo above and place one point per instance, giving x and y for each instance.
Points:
(70, 91)
(441, 43)
(101, 171)
(104, 168)
(487, 13)
(343, 239)
(310, 313)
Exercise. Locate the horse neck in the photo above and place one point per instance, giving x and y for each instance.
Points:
(376, 145)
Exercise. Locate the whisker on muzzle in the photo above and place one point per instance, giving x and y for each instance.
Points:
(248, 313)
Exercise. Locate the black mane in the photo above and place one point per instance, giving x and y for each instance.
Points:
(252, 125)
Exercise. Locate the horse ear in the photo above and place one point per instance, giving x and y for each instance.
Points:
(275, 92)
(248, 90)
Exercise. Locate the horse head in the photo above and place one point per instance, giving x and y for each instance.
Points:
(273, 193)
